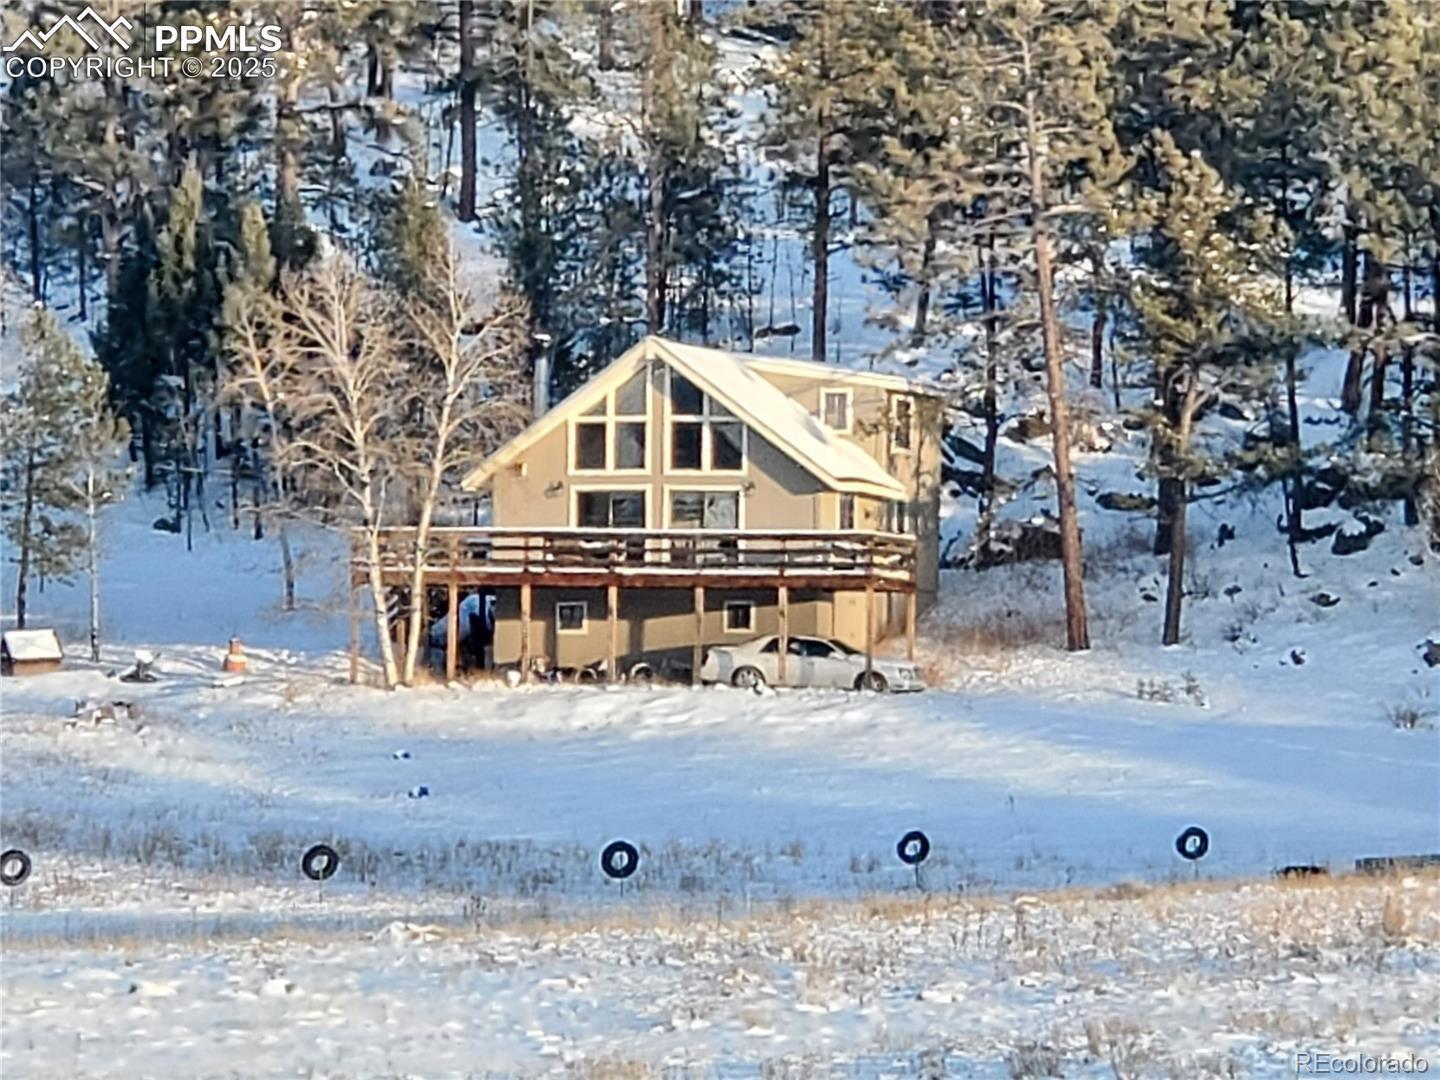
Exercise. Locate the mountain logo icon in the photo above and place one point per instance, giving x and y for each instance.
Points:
(98, 28)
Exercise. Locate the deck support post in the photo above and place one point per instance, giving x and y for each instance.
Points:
(869, 630)
(452, 628)
(525, 631)
(697, 652)
(784, 650)
(910, 606)
(354, 633)
(612, 614)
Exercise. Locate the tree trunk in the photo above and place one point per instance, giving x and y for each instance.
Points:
(655, 244)
(465, 211)
(37, 285)
(27, 521)
(377, 601)
(372, 69)
(287, 564)
(82, 243)
(989, 302)
(93, 555)
(1077, 631)
(1175, 583)
(1407, 400)
(821, 248)
(605, 37)
(922, 302)
(1349, 267)
(1097, 342)
(1295, 501)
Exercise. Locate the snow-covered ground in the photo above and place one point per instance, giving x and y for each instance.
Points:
(1182, 981)
(770, 926)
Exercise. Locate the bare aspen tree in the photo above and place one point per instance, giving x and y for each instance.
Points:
(466, 394)
(325, 350)
(250, 382)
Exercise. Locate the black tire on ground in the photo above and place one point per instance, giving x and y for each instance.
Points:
(642, 674)
(872, 681)
(1193, 843)
(747, 678)
(320, 862)
(619, 859)
(14, 867)
(913, 848)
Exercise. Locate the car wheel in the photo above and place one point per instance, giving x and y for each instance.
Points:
(872, 681)
(747, 678)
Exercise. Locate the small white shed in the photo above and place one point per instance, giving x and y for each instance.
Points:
(30, 652)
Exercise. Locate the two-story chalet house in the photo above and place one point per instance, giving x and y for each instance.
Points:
(686, 496)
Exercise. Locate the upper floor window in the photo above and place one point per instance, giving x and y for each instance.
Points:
(899, 517)
(847, 512)
(902, 424)
(611, 436)
(705, 436)
(835, 409)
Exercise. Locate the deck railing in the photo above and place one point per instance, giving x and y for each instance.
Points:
(681, 552)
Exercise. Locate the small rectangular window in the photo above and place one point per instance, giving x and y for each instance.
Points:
(727, 441)
(571, 616)
(629, 446)
(901, 434)
(685, 445)
(739, 617)
(899, 517)
(835, 409)
(686, 399)
(590, 445)
(847, 511)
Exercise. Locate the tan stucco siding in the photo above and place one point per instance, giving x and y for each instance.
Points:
(650, 622)
(539, 490)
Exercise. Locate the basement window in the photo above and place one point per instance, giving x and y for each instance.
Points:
(571, 616)
(739, 617)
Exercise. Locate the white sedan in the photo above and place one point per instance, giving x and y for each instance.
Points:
(809, 661)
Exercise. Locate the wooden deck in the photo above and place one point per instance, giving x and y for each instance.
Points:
(651, 558)
(693, 559)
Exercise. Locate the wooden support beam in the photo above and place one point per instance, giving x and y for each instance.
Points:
(612, 614)
(910, 606)
(869, 631)
(525, 632)
(697, 653)
(354, 635)
(452, 629)
(784, 610)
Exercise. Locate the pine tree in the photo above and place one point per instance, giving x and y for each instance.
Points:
(818, 123)
(58, 439)
(1037, 129)
(1208, 320)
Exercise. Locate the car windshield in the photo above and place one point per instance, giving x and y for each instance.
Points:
(845, 648)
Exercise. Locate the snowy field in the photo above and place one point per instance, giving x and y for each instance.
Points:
(770, 929)
(1183, 981)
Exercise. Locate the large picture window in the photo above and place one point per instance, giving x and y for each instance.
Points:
(705, 436)
(610, 509)
(612, 436)
(705, 510)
